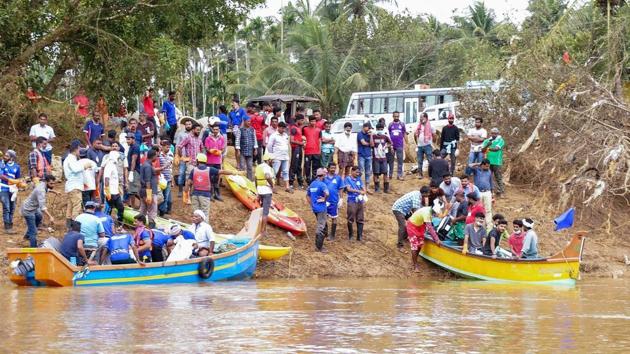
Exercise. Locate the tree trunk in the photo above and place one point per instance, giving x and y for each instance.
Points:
(66, 63)
(56, 35)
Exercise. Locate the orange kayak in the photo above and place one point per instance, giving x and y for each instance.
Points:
(279, 215)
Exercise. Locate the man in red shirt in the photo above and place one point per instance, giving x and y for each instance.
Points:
(474, 207)
(319, 121)
(83, 103)
(148, 104)
(312, 149)
(297, 145)
(258, 123)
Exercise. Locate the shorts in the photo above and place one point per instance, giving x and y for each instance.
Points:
(345, 159)
(134, 187)
(265, 200)
(415, 234)
(379, 167)
(332, 209)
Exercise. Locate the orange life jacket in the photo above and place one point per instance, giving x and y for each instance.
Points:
(201, 180)
(43, 167)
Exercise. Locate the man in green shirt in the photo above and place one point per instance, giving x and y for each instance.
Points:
(494, 146)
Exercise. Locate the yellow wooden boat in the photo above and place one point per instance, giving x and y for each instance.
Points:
(561, 268)
(272, 253)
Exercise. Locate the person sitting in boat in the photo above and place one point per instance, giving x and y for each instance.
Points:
(474, 206)
(72, 245)
(417, 225)
(435, 192)
(459, 213)
(92, 229)
(142, 238)
(175, 231)
(119, 246)
(530, 241)
(159, 245)
(490, 243)
(495, 219)
(516, 238)
(474, 234)
(204, 235)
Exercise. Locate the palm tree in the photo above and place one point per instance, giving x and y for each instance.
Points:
(480, 22)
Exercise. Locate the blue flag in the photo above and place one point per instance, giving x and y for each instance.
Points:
(565, 220)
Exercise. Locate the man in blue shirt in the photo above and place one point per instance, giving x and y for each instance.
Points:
(118, 246)
(9, 170)
(224, 121)
(335, 185)
(159, 245)
(91, 226)
(483, 180)
(106, 220)
(317, 195)
(237, 114)
(72, 245)
(93, 129)
(168, 107)
(365, 144)
(356, 201)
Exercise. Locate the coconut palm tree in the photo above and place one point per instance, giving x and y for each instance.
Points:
(480, 21)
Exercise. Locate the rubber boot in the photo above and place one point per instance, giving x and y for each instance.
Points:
(326, 230)
(350, 231)
(377, 186)
(386, 187)
(217, 194)
(333, 231)
(180, 191)
(359, 232)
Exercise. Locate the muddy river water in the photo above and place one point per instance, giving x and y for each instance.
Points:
(349, 315)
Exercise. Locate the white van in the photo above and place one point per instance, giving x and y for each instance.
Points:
(438, 116)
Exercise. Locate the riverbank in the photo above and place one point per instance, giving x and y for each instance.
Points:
(377, 256)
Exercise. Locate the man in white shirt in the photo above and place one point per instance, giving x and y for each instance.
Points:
(204, 235)
(346, 149)
(424, 139)
(476, 136)
(89, 176)
(45, 130)
(278, 149)
(112, 184)
(73, 172)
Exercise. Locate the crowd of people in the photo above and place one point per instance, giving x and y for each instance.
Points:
(142, 162)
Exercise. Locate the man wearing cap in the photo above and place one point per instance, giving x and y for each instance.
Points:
(355, 189)
(38, 165)
(204, 235)
(316, 195)
(73, 172)
(247, 146)
(494, 153)
(9, 173)
(530, 241)
(200, 183)
(417, 225)
(91, 227)
(264, 187)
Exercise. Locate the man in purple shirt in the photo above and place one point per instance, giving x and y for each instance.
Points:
(397, 134)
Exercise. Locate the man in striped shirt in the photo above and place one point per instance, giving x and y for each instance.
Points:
(166, 162)
(402, 209)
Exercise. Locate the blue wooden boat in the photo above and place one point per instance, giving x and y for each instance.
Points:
(47, 267)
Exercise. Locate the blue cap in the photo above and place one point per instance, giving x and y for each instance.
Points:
(91, 204)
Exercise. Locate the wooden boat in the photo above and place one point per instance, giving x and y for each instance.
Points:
(52, 269)
(279, 215)
(265, 252)
(561, 268)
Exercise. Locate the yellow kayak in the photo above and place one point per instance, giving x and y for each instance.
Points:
(272, 253)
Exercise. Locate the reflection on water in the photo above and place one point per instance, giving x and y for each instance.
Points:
(320, 315)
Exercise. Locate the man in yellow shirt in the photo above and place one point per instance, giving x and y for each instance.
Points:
(417, 225)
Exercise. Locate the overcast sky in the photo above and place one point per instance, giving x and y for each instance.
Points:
(515, 10)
